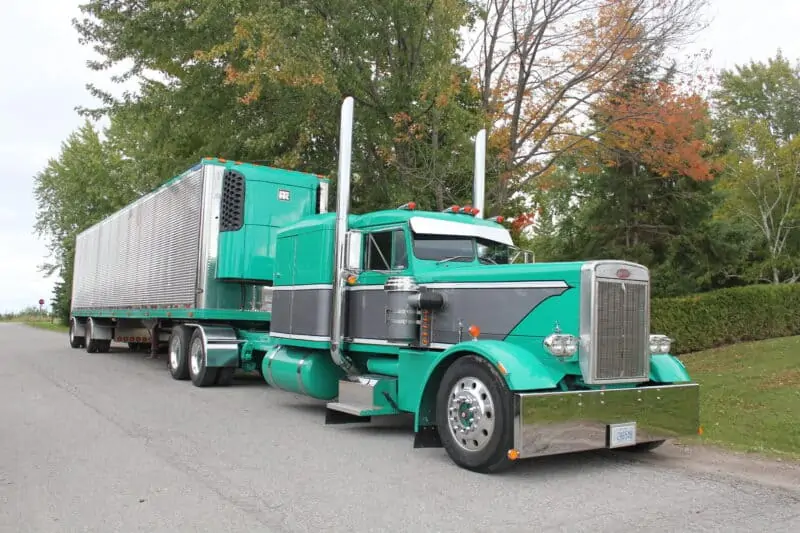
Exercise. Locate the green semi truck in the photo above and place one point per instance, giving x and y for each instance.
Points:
(437, 314)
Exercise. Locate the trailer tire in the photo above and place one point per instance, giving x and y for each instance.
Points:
(74, 340)
(473, 391)
(201, 375)
(178, 360)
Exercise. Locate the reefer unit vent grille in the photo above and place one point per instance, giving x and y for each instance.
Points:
(232, 208)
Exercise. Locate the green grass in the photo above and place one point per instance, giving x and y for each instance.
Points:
(46, 324)
(750, 396)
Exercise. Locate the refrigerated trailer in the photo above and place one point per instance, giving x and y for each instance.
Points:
(240, 266)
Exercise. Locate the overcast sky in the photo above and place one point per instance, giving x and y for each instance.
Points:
(44, 75)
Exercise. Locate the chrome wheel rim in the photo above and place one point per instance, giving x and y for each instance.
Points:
(470, 414)
(197, 353)
(174, 350)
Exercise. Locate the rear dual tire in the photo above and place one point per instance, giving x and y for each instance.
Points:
(188, 359)
(178, 351)
(95, 345)
(75, 341)
(474, 414)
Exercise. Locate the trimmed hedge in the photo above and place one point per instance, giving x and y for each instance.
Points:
(727, 316)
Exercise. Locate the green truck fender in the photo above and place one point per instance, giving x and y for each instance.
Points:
(665, 368)
(521, 369)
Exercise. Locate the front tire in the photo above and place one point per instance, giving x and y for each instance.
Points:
(474, 414)
(179, 341)
(201, 375)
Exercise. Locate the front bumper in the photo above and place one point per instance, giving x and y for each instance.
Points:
(562, 422)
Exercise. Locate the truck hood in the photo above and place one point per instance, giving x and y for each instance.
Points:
(568, 272)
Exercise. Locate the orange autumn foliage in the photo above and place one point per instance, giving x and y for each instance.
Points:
(659, 127)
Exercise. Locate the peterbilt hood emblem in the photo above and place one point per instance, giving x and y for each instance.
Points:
(623, 273)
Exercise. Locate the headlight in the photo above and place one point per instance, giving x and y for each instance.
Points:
(660, 344)
(561, 345)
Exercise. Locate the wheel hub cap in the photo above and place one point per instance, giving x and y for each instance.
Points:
(195, 359)
(173, 353)
(470, 412)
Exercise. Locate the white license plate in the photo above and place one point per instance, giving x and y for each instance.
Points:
(621, 435)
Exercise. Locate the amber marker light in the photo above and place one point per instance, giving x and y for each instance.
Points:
(700, 430)
(351, 279)
(502, 368)
(474, 331)
(513, 454)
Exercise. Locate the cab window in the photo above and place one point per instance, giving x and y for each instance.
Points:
(386, 250)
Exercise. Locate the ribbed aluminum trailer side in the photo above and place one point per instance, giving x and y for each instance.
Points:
(146, 254)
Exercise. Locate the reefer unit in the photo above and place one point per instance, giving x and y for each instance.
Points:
(205, 240)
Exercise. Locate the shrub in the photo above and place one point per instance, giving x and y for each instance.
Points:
(728, 316)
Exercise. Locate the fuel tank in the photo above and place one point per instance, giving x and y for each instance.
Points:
(303, 371)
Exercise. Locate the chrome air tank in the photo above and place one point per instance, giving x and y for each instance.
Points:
(402, 322)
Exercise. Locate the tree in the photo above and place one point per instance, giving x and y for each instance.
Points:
(417, 109)
(642, 188)
(757, 123)
(541, 64)
(85, 183)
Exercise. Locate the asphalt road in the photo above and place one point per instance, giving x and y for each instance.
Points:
(109, 442)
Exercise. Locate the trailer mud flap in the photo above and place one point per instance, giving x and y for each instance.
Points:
(565, 422)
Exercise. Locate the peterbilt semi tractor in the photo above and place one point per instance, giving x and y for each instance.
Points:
(438, 315)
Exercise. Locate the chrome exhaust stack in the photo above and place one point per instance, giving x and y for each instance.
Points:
(479, 179)
(340, 252)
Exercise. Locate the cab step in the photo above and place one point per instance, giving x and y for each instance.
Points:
(362, 397)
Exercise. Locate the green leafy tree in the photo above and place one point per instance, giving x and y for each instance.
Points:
(87, 181)
(757, 124)
(417, 109)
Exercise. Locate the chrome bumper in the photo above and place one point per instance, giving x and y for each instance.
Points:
(562, 422)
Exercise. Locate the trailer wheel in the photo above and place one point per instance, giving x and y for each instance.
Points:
(179, 341)
(474, 413)
(202, 376)
(74, 340)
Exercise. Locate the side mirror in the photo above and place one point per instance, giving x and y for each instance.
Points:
(354, 242)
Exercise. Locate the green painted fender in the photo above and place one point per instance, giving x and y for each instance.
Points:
(665, 368)
(523, 371)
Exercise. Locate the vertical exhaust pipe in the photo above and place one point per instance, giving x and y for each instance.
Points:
(479, 179)
(340, 252)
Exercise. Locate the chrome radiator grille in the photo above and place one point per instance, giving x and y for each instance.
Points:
(622, 330)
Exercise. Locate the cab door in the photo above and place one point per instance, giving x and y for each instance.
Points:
(384, 254)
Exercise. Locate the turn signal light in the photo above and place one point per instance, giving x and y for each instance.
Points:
(513, 454)
(474, 331)
(351, 279)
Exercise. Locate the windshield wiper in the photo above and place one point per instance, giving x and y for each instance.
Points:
(448, 259)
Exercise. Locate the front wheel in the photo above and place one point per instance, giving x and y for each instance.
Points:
(474, 414)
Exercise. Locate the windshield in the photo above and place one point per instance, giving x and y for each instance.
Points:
(459, 249)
